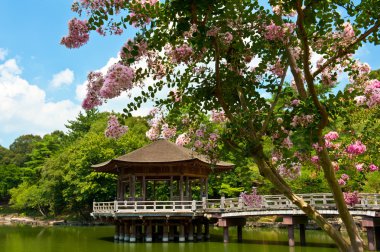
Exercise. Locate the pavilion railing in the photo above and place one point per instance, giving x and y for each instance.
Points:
(319, 200)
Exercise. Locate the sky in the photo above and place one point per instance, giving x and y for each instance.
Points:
(42, 83)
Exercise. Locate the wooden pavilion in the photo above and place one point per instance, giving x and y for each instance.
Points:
(160, 164)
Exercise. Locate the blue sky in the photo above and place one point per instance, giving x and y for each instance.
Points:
(41, 82)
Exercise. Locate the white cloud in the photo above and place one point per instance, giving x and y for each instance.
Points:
(65, 77)
(23, 106)
(3, 53)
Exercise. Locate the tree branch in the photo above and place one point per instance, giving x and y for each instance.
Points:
(273, 105)
(296, 74)
(347, 49)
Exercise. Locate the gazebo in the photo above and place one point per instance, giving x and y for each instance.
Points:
(161, 164)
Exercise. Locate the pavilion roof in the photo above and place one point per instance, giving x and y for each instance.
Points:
(159, 152)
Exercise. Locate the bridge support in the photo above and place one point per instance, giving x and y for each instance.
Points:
(372, 225)
(132, 237)
(291, 221)
(228, 222)
(165, 235)
(126, 231)
(116, 236)
(190, 230)
(148, 231)
(181, 237)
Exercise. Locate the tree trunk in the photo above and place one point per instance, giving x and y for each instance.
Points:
(352, 230)
(282, 186)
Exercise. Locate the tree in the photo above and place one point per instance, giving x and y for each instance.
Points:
(227, 58)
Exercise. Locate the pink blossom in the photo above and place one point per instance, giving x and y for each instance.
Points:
(78, 34)
(118, 78)
(213, 32)
(295, 102)
(287, 143)
(253, 199)
(198, 144)
(341, 182)
(153, 111)
(114, 129)
(153, 133)
(218, 116)
(183, 139)
(345, 177)
(348, 31)
(228, 37)
(277, 69)
(181, 54)
(335, 165)
(95, 82)
(302, 120)
(277, 10)
(373, 168)
(200, 132)
(351, 198)
(176, 95)
(356, 148)
(133, 50)
(331, 136)
(317, 147)
(273, 32)
(292, 172)
(360, 100)
(359, 167)
(213, 137)
(168, 132)
(314, 159)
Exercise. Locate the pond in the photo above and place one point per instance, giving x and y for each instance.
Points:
(100, 239)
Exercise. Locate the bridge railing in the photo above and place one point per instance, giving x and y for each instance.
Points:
(318, 200)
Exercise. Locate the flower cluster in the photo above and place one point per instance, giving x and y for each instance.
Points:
(252, 199)
(133, 50)
(114, 129)
(218, 116)
(280, 33)
(331, 136)
(181, 54)
(356, 148)
(277, 69)
(182, 139)
(291, 172)
(351, 198)
(343, 179)
(95, 82)
(118, 78)
(78, 34)
(302, 120)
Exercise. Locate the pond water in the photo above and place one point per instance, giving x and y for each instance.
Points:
(100, 239)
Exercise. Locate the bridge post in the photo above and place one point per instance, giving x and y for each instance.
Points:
(240, 233)
(199, 231)
(148, 231)
(116, 236)
(132, 237)
(291, 235)
(181, 232)
(372, 226)
(207, 231)
(291, 221)
(126, 231)
(226, 235)
(165, 233)
(190, 230)
(121, 231)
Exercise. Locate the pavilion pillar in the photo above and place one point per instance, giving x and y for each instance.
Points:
(172, 230)
(143, 189)
(187, 194)
(240, 233)
(165, 233)
(132, 237)
(117, 230)
(119, 188)
(226, 235)
(181, 188)
(121, 231)
(181, 232)
(207, 231)
(171, 187)
(132, 186)
(206, 188)
(127, 228)
(199, 231)
(201, 185)
(190, 230)
(154, 189)
(148, 231)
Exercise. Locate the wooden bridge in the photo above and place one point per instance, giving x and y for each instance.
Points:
(226, 212)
